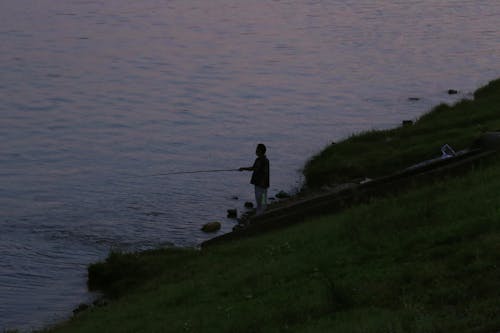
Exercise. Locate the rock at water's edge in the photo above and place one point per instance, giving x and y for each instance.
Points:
(232, 213)
(211, 227)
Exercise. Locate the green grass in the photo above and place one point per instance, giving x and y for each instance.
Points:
(424, 260)
(377, 153)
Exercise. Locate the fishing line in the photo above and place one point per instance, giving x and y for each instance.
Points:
(182, 173)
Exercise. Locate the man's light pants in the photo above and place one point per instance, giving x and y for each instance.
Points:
(260, 199)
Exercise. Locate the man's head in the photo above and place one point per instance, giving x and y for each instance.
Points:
(261, 149)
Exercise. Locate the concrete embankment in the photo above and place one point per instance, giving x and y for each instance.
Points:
(348, 194)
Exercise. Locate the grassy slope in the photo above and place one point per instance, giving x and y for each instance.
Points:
(424, 261)
(378, 153)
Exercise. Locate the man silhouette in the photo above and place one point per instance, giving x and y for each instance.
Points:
(260, 177)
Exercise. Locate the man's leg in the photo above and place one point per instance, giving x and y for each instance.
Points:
(260, 199)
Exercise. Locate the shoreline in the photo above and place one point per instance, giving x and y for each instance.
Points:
(349, 194)
(378, 181)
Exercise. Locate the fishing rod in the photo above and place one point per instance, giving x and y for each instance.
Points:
(184, 172)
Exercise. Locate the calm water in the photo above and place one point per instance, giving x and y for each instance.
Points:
(93, 92)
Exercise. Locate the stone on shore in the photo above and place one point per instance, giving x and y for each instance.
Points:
(282, 195)
(211, 227)
(232, 213)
